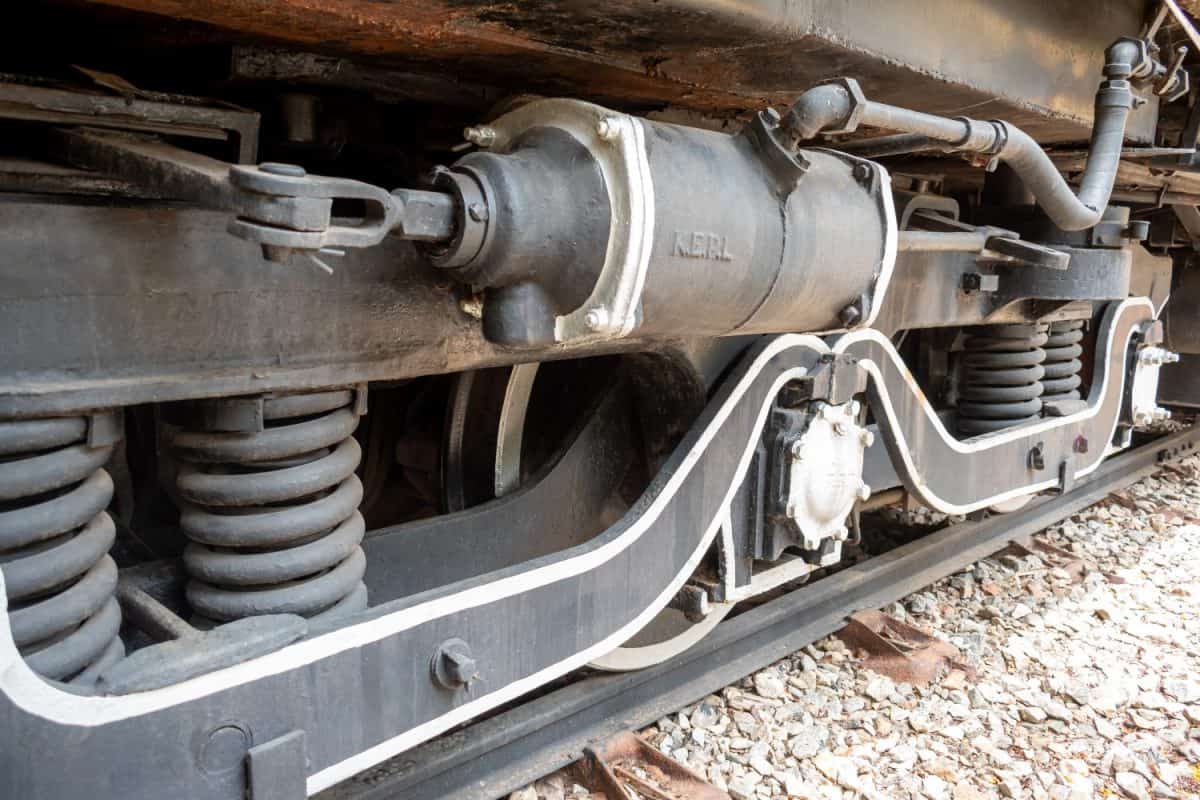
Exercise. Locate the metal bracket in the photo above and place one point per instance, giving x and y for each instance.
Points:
(1066, 475)
(278, 769)
(277, 206)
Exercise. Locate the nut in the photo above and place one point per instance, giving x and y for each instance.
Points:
(596, 319)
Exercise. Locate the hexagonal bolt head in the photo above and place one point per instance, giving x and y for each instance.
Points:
(864, 493)
(796, 449)
(866, 438)
(460, 668)
(452, 665)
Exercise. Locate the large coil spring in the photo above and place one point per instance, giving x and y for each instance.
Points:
(1062, 365)
(272, 516)
(1001, 377)
(54, 540)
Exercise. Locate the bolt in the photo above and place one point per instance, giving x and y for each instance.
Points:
(1037, 457)
(608, 129)
(862, 172)
(864, 492)
(1142, 418)
(460, 668)
(855, 408)
(771, 117)
(796, 449)
(840, 533)
(791, 510)
(480, 135)
(866, 438)
(1170, 358)
(596, 319)
(840, 428)
(1161, 414)
(452, 665)
(850, 314)
(1080, 445)
(478, 212)
(287, 170)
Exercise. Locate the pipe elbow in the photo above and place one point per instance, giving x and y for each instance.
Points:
(1027, 158)
(821, 107)
(1126, 57)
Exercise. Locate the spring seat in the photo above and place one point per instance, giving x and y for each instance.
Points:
(272, 516)
(55, 535)
(1062, 365)
(1001, 378)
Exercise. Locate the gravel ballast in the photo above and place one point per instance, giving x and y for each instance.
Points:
(1084, 686)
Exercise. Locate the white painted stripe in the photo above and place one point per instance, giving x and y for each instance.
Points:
(33, 695)
(982, 444)
(28, 692)
(891, 239)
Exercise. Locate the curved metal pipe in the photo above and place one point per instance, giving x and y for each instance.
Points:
(840, 106)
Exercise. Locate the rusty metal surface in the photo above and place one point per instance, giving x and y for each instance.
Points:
(625, 761)
(1034, 62)
(898, 650)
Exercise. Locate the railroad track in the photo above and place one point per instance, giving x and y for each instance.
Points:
(489, 758)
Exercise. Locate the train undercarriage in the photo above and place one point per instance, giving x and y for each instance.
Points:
(370, 366)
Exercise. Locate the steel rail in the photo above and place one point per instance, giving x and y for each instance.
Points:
(504, 752)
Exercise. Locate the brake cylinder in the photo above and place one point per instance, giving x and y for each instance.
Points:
(581, 223)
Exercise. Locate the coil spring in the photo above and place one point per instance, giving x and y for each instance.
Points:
(1001, 377)
(1063, 348)
(272, 516)
(54, 540)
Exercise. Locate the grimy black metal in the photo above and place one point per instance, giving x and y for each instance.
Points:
(363, 692)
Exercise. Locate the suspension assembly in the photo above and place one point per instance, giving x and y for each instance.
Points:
(1063, 349)
(272, 514)
(55, 535)
(1001, 377)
